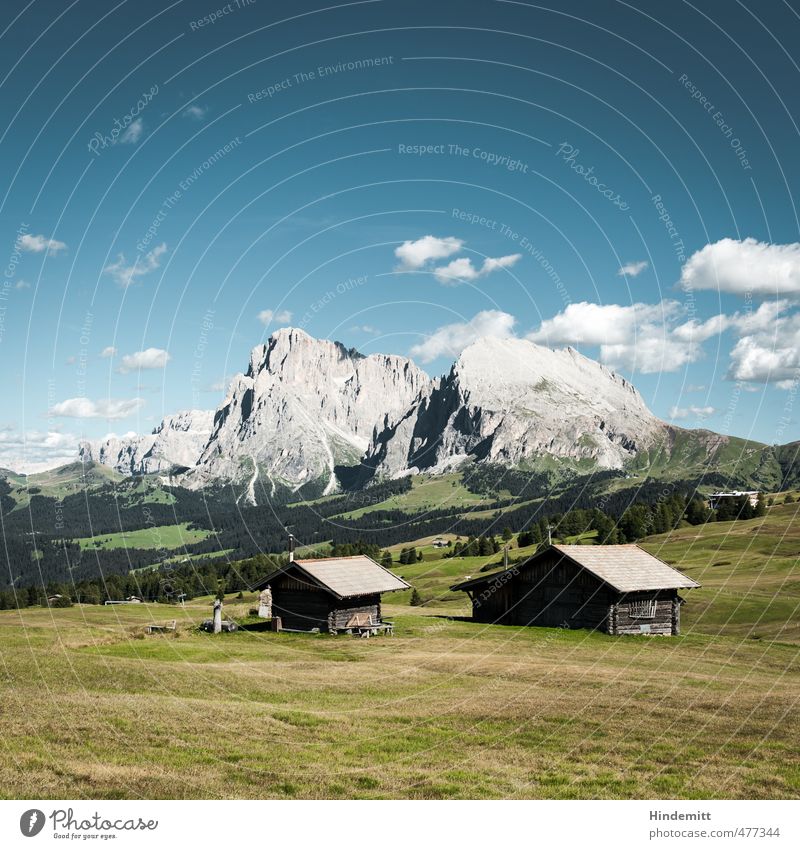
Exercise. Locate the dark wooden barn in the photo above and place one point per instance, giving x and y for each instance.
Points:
(619, 589)
(332, 594)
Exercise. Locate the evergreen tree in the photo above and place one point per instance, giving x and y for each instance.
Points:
(697, 513)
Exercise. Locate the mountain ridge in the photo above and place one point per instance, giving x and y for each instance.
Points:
(310, 413)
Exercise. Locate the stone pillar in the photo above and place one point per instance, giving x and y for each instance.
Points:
(265, 604)
(217, 616)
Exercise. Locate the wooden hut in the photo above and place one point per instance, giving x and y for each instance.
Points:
(619, 589)
(330, 594)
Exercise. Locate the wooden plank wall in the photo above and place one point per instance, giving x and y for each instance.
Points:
(662, 623)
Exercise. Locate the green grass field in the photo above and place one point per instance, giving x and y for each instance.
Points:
(750, 572)
(428, 493)
(163, 536)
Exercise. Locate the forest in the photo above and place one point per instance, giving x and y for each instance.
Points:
(58, 567)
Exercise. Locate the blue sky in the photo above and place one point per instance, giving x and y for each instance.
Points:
(179, 180)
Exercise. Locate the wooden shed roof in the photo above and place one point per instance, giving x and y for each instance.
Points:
(345, 577)
(626, 568)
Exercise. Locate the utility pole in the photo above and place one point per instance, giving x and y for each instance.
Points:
(549, 534)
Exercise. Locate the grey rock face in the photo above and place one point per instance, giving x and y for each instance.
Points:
(508, 400)
(176, 442)
(304, 406)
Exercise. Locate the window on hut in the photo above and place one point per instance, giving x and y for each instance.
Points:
(643, 609)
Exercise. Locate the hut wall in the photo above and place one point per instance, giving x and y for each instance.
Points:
(342, 611)
(493, 603)
(300, 605)
(554, 592)
(646, 613)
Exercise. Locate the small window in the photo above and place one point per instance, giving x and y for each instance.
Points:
(643, 609)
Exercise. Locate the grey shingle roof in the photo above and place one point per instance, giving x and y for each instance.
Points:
(627, 568)
(352, 576)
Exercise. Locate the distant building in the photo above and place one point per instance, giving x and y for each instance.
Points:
(440, 543)
(716, 498)
(330, 594)
(131, 599)
(619, 589)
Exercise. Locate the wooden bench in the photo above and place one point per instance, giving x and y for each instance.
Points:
(363, 626)
(162, 629)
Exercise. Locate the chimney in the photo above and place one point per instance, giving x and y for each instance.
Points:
(291, 548)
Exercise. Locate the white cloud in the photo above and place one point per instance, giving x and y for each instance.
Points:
(597, 324)
(745, 266)
(133, 133)
(150, 358)
(195, 111)
(39, 244)
(696, 412)
(280, 317)
(126, 275)
(697, 331)
(762, 320)
(34, 451)
(633, 269)
(416, 254)
(462, 269)
(110, 351)
(365, 328)
(22, 284)
(638, 337)
(768, 354)
(451, 339)
(85, 408)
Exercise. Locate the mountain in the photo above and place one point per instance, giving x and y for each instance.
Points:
(311, 414)
(506, 401)
(176, 442)
(304, 407)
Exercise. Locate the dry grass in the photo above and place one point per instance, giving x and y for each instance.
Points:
(445, 709)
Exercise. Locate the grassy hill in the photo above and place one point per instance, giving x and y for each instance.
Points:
(750, 572)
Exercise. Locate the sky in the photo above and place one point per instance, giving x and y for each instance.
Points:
(178, 180)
